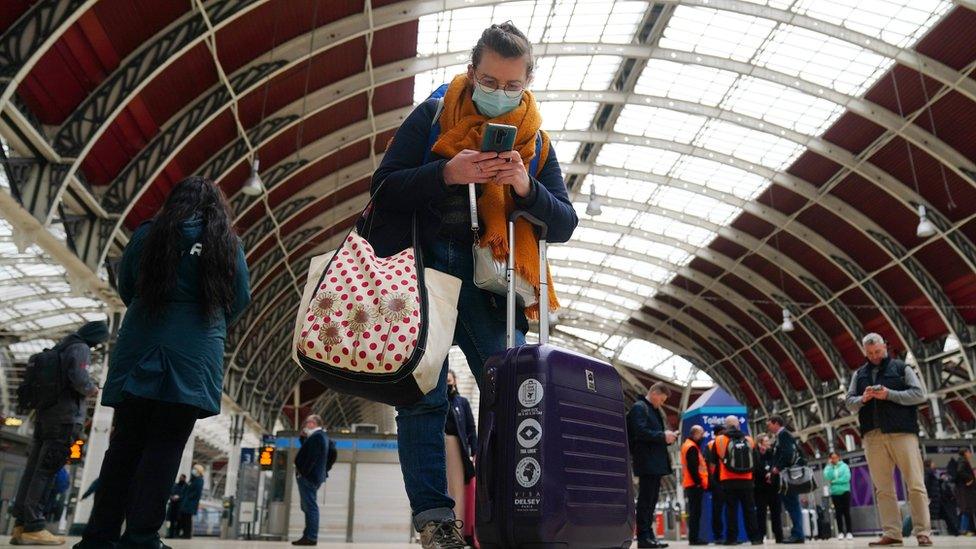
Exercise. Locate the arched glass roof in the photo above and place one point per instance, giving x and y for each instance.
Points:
(723, 93)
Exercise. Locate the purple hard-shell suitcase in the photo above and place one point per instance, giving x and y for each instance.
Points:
(553, 462)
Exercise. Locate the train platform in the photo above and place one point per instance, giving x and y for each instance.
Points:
(213, 543)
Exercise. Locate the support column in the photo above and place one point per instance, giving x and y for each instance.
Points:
(234, 455)
(830, 436)
(95, 446)
(936, 408)
(186, 462)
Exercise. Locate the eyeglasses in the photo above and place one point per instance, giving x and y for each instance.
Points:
(490, 85)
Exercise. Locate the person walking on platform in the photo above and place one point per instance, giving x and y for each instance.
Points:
(56, 426)
(940, 506)
(715, 486)
(736, 454)
(184, 279)
(649, 441)
(966, 492)
(310, 474)
(173, 511)
(694, 480)
(786, 454)
(837, 474)
(885, 393)
(767, 494)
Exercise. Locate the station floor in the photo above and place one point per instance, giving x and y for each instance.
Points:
(213, 543)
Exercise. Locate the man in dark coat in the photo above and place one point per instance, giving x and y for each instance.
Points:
(649, 441)
(55, 428)
(937, 509)
(767, 494)
(786, 454)
(311, 472)
(173, 513)
(715, 485)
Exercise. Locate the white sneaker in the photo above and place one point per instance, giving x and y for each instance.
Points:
(850, 535)
(840, 536)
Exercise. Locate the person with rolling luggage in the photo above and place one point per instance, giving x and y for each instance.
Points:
(649, 441)
(427, 180)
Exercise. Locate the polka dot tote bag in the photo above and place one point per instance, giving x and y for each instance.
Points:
(375, 327)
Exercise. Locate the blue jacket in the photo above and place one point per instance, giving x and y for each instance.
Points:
(178, 358)
(648, 445)
(311, 458)
(190, 500)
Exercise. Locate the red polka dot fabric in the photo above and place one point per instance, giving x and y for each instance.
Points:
(365, 314)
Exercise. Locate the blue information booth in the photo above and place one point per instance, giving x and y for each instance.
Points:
(709, 411)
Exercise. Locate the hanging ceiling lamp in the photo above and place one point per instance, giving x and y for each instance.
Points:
(787, 321)
(253, 186)
(593, 207)
(925, 227)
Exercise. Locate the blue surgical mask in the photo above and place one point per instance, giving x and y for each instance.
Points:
(494, 104)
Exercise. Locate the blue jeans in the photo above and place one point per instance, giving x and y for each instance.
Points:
(420, 427)
(792, 505)
(307, 491)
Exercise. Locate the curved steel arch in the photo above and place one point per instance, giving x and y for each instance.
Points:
(883, 241)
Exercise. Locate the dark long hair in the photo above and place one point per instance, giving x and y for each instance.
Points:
(193, 197)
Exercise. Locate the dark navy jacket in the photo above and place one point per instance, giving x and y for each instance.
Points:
(71, 406)
(648, 445)
(311, 458)
(464, 419)
(785, 450)
(409, 186)
(190, 500)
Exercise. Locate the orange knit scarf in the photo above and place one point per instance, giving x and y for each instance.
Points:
(461, 128)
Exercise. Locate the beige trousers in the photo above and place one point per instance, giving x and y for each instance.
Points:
(455, 474)
(885, 451)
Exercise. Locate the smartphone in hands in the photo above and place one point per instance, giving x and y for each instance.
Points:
(498, 138)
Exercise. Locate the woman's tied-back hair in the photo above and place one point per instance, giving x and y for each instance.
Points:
(194, 197)
(505, 40)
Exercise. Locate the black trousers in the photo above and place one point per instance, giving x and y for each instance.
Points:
(842, 512)
(693, 499)
(137, 474)
(769, 504)
(949, 515)
(650, 488)
(185, 527)
(736, 496)
(718, 510)
(49, 450)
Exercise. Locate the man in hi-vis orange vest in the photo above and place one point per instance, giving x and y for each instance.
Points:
(736, 453)
(694, 479)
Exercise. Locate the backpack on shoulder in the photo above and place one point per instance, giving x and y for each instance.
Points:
(43, 381)
(739, 455)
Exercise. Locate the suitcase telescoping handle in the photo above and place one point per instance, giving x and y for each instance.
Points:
(543, 279)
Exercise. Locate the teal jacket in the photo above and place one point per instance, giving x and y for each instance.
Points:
(179, 357)
(839, 478)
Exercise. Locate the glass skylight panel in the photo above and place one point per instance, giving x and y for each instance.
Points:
(721, 177)
(591, 21)
(751, 145)
(693, 204)
(596, 236)
(715, 32)
(634, 157)
(782, 105)
(566, 150)
(644, 353)
(654, 249)
(426, 82)
(566, 115)
(575, 72)
(822, 59)
(685, 82)
(898, 22)
(623, 188)
(659, 123)
(582, 333)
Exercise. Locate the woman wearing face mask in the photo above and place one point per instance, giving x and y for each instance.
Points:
(436, 192)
